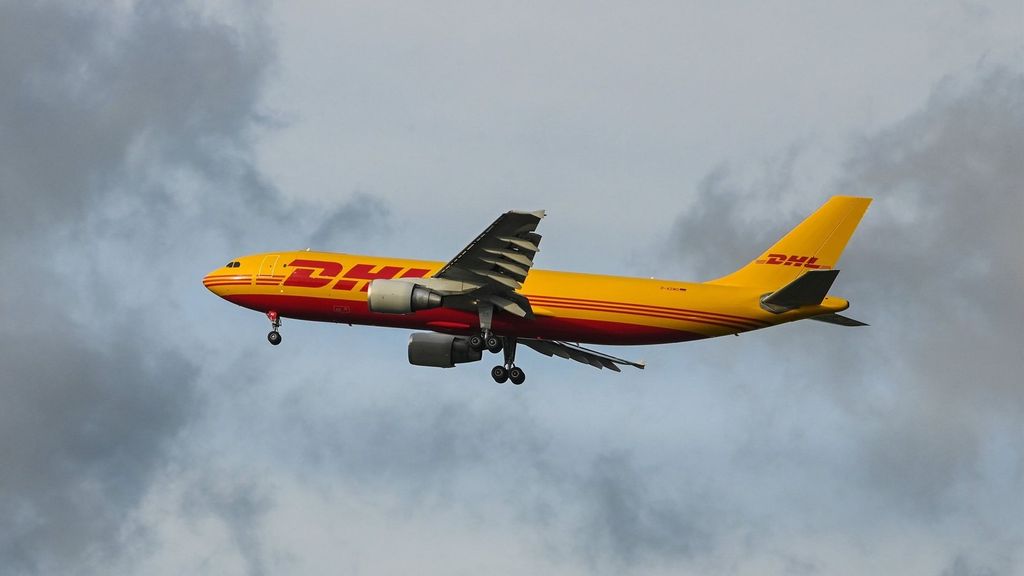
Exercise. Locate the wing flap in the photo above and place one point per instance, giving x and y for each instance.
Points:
(579, 354)
(839, 320)
(518, 272)
(514, 308)
(520, 242)
(500, 258)
(517, 257)
(499, 278)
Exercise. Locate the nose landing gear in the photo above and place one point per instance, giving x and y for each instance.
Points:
(274, 337)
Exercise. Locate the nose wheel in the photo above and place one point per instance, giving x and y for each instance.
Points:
(274, 337)
(509, 371)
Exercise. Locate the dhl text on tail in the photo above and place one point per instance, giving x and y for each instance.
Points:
(490, 299)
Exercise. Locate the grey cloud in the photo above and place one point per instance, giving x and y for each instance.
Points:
(92, 91)
(363, 214)
(713, 250)
(962, 567)
(100, 105)
(447, 454)
(935, 267)
(82, 430)
(240, 505)
(629, 525)
(949, 271)
(125, 140)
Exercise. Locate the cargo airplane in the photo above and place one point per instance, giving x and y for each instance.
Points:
(489, 297)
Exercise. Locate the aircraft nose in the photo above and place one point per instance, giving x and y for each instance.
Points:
(221, 279)
(212, 281)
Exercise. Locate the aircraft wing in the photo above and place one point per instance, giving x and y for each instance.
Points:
(579, 354)
(496, 263)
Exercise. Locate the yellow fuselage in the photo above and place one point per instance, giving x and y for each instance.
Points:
(583, 308)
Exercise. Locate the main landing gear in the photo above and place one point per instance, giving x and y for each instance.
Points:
(509, 371)
(487, 340)
(275, 323)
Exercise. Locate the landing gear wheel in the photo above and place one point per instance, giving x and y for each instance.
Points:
(516, 375)
(499, 374)
(493, 344)
(476, 342)
(274, 337)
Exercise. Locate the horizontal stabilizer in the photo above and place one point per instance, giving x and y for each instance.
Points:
(809, 289)
(838, 319)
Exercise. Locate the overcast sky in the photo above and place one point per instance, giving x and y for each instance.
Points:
(147, 427)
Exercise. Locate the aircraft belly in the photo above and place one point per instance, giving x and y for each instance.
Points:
(617, 330)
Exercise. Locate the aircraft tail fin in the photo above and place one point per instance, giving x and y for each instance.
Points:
(815, 244)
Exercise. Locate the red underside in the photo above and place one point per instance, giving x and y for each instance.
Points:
(462, 322)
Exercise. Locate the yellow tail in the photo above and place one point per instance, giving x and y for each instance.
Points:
(815, 244)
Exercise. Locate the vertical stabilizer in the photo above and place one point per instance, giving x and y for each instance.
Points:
(815, 244)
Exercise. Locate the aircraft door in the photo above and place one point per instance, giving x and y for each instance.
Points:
(268, 266)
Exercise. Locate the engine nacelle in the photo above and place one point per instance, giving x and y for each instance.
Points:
(440, 350)
(398, 297)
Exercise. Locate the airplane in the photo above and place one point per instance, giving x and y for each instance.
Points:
(489, 297)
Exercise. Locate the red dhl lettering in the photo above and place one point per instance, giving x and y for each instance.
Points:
(320, 273)
(792, 260)
(366, 272)
(304, 270)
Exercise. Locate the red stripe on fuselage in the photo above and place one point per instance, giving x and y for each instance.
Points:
(551, 300)
(569, 329)
(684, 317)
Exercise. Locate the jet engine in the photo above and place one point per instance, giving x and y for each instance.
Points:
(440, 350)
(398, 297)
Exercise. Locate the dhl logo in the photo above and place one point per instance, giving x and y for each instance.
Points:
(320, 273)
(793, 260)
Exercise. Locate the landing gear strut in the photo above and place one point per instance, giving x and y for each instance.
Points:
(275, 323)
(487, 339)
(509, 371)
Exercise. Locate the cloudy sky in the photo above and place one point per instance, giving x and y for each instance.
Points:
(147, 427)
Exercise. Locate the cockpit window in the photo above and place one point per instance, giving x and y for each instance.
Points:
(234, 264)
